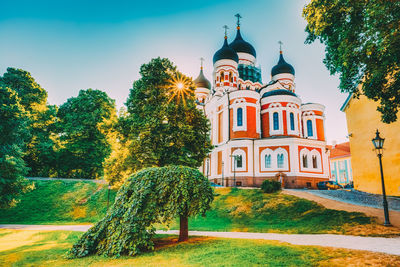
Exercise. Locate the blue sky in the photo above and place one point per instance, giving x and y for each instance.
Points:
(73, 45)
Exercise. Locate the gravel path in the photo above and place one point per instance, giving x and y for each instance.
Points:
(373, 244)
(358, 198)
(339, 204)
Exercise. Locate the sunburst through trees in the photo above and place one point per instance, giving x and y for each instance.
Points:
(180, 88)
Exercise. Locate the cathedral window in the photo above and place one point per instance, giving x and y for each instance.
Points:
(222, 77)
(267, 161)
(239, 117)
(291, 121)
(305, 161)
(309, 128)
(230, 77)
(276, 120)
(281, 161)
(239, 162)
(314, 162)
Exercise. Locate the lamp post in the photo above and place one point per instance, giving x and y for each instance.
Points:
(378, 144)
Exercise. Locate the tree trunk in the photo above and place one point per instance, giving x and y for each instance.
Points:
(184, 228)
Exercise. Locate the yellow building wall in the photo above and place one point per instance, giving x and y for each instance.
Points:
(362, 122)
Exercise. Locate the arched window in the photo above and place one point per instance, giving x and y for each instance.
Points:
(305, 161)
(314, 162)
(267, 161)
(230, 77)
(239, 161)
(239, 114)
(276, 120)
(309, 128)
(291, 121)
(222, 77)
(281, 161)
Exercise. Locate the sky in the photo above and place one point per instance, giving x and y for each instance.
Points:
(72, 45)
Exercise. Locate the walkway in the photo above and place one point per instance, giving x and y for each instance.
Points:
(337, 204)
(373, 244)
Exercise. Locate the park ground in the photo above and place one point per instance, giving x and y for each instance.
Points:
(233, 210)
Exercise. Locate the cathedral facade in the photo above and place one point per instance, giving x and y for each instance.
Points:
(260, 130)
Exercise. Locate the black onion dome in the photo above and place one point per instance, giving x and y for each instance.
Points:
(241, 46)
(226, 52)
(279, 92)
(201, 81)
(282, 67)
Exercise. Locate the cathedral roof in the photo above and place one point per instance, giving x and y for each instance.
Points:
(282, 67)
(226, 52)
(241, 46)
(201, 81)
(279, 92)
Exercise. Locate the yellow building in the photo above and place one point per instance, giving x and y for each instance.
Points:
(362, 121)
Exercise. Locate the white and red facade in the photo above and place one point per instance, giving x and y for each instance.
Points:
(262, 131)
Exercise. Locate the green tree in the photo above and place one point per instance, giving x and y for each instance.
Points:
(163, 125)
(13, 131)
(150, 196)
(362, 41)
(40, 147)
(85, 128)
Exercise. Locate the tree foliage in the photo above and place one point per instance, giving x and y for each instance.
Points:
(153, 195)
(13, 131)
(362, 41)
(270, 186)
(85, 128)
(40, 154)
(162, 124)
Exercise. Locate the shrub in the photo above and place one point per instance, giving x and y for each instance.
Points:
(269, 186)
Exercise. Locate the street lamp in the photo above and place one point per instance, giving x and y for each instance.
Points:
(378, 144)
(208, 166)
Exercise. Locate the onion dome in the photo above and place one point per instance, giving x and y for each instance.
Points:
(241, 46)
(278, 92)
(201, 80)
(282, 67)
(226, 52)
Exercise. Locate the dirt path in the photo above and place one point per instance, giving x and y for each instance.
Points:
(339, 205)
(373, 244)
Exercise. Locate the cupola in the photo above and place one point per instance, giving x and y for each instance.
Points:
(241, 46)
(226, 52)
(201, 81)
(282, 67)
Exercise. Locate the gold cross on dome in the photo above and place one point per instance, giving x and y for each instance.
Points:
(280, 45)
(238, 19)
(201, 62)
(226, 30)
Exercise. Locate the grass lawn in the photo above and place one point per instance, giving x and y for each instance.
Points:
(71, 202)
(34, 248)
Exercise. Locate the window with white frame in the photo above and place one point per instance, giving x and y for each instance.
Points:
(239, 115)
(309, 128)
(238, 160)
(275, 119)
(310, 160)
(267, 161)
(291, 116)
(274, 159)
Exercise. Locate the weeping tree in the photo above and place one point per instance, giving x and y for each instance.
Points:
(153, 195)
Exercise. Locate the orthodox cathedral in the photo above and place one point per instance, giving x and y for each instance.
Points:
(259, 130)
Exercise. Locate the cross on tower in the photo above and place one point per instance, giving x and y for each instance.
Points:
(201, 62)
(280, 46)
(238, 19)
(226, 30)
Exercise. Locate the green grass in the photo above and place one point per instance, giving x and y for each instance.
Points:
(71, 202)
(60, 202)
(34, 248)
